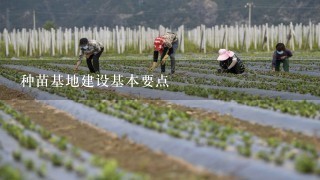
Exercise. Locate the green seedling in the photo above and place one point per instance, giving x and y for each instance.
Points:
(16, 155)
(305, 164)
(211, 143)
(263, 155)
(69, 165)
(42, 171)
(43, 154)
(55, 141)
(56, 160)
(44, 134)
(232, 141)
(272, 142)
(28, 142)
(222, 145)
(75, 152)
(80, 170)
(29, 164)
(8, 172)
(279, 160)
(174, 133)
(62, 144)
(247, 139)
(291, 155)
(109, 171)
(97, 161)
(244, 150)
(284, 150)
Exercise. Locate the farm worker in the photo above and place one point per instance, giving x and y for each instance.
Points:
(92, 49)
(281, 55)
(229, 62)
(165, 45)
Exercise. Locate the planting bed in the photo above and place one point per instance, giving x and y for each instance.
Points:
(203, 125)
(40, 154)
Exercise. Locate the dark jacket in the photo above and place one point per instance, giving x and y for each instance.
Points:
(277, 57)
(236, 69)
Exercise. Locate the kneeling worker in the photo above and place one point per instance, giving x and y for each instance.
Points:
(229, 62)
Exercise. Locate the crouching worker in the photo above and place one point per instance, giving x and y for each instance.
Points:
(281, 55)
(165, 45)
(92, 50)
(229, 62)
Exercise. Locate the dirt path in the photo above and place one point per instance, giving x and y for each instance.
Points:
(130, 156)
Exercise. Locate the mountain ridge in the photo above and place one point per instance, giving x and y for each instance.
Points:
(152, 13)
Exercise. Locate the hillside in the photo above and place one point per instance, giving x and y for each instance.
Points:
(153, 12)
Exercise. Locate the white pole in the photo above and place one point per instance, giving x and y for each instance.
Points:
(76, 40)
(311, 35)
(182, 39)
(267, 36)
(18, 43)
(139, 40)
(30, 43)
(53, 42)
(123, 39)
(255, 37)
(6, 39)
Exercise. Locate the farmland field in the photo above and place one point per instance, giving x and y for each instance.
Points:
(128, 123)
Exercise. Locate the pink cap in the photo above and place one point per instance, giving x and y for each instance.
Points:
(224, 54)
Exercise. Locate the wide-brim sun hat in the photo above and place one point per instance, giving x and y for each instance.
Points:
(224, 54)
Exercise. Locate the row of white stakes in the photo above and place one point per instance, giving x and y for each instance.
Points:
(121, 39)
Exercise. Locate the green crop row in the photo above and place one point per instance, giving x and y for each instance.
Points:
(252, 76)
(249, 81)
(8, 172)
